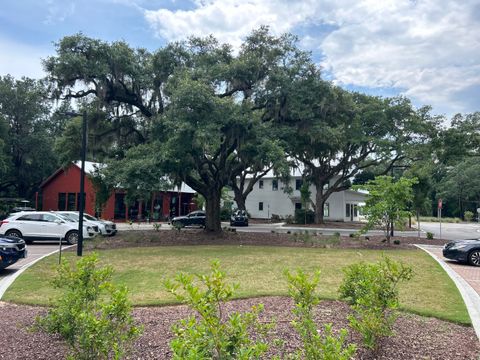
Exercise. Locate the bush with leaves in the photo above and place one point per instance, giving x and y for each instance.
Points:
(92, 315)
(316, 346)
(213, 334)
(372, 291)
(468, 215)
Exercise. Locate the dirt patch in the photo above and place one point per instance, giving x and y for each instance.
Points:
(415, 337)
(293, 239)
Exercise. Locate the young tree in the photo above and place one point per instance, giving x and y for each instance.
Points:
(387, 202)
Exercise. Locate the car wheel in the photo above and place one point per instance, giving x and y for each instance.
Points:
(72, 237)
(14, 233)
(474, 258)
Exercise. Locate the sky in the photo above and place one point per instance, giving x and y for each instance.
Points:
(427, 50)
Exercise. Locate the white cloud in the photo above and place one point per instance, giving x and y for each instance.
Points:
(428, 48)
(21, 60)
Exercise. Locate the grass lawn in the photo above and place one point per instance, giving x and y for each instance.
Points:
(257, 269)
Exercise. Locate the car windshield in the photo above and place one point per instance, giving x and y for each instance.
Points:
(90, 217)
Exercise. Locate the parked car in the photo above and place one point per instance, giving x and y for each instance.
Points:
(12, 249)
(467, 251)
(42, 225)
(195, 218)
(239, 218)
(103, 227)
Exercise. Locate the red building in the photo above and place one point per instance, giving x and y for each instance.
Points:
(60, 192)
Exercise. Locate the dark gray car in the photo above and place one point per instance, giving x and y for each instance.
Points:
(195, 218)
(467, 251)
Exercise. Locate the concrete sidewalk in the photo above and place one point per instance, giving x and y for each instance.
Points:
(467, 280)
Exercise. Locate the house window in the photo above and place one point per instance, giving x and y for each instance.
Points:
(62, 199)
(274, 185)
(260, 206)
(71, 201)
(298, 206)
(347, 210)
(260, 184)
(326, 209)
(298, 184)
(355, 210)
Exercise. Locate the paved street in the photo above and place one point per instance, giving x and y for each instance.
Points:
(453, 231)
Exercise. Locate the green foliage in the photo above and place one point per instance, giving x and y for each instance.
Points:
(387, 202)
(26, 137)
(429, 235)
(212, 334)
(93, 316)
(460, 186)
(156, 226)
(372, 291)
(468, 215)
(315, 346)
(303, 216)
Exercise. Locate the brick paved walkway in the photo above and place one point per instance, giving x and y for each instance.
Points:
(470, 274)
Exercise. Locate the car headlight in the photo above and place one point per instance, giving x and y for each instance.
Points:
(458, 247)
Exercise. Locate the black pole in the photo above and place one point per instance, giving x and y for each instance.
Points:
(82, 185)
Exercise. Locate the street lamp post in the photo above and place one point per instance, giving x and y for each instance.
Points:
(81, 207)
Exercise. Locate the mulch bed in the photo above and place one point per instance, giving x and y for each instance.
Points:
(299, 239)
(415, 337)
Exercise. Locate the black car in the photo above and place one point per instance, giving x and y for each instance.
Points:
(467, 251)
(195, 218)
(239, 218)
(12, 249)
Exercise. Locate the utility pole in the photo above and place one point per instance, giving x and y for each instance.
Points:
(82, 185)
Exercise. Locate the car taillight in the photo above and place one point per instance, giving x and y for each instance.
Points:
(3, 222)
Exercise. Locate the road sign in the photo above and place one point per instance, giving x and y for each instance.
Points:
(440, 203)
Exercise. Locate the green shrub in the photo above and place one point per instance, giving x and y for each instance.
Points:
(157, 226)
(396, 242)
(300, 216)
(372, 291)
(468, 215)
(429, 235)
(92, 315)
(315, 346)
(212, 335)
(225, 213)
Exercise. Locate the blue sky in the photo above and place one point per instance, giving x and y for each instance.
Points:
(428, 50)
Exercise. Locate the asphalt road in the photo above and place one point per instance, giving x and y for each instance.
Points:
(451, 231)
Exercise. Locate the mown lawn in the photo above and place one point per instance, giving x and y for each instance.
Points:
(257, 269)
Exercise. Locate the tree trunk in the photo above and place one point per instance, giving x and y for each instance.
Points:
(418, 223)
(319, 203)
(239, 198)
(212, 222)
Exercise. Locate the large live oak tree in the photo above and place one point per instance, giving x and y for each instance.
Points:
(198, 103)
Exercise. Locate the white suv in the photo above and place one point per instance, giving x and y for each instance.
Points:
(104, 227)
(42, 225)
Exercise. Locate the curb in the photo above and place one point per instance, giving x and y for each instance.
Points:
(8, 280)
(470, 296)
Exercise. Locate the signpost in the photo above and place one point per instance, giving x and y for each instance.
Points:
(440, 205)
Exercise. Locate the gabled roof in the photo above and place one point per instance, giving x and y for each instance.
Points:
(91, 167)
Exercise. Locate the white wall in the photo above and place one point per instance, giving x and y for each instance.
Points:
(279, 203)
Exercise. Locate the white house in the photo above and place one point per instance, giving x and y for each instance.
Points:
(268, 197)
